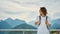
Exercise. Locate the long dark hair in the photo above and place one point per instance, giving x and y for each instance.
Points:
(43, 10)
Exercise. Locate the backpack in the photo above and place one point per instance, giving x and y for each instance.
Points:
(46, 19)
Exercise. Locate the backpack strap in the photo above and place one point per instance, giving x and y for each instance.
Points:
(40, 17)
(46, 17)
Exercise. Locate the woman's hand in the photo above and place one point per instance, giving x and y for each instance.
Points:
(35, 23)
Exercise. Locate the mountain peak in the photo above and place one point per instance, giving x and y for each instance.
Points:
(57, 19)
(9, 19)
(15, 22)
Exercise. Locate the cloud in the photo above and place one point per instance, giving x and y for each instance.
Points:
(27, 9)
(57, 14)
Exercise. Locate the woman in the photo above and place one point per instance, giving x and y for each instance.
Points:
(43, 21)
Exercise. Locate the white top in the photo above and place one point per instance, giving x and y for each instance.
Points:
(43, 19)
(42, 29)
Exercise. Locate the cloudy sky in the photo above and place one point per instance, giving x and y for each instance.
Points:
(28, 9)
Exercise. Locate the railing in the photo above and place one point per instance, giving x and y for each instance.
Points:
(23, 30)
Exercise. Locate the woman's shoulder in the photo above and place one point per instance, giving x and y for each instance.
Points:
(37, 17)
(41, 16)
(47, 17)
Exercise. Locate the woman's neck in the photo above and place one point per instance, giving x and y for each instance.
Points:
(43, 15)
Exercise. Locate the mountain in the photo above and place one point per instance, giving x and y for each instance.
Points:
(10, 23)
(32, 23)
(1, 20)
(25, 26)
(56, 24)
(56, 20)
(4, 25)
(15, 22)
(19, 21)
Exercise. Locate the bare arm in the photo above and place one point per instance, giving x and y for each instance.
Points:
(48, 24)
(38, 23)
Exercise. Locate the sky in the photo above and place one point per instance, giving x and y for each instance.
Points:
(28, 9)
